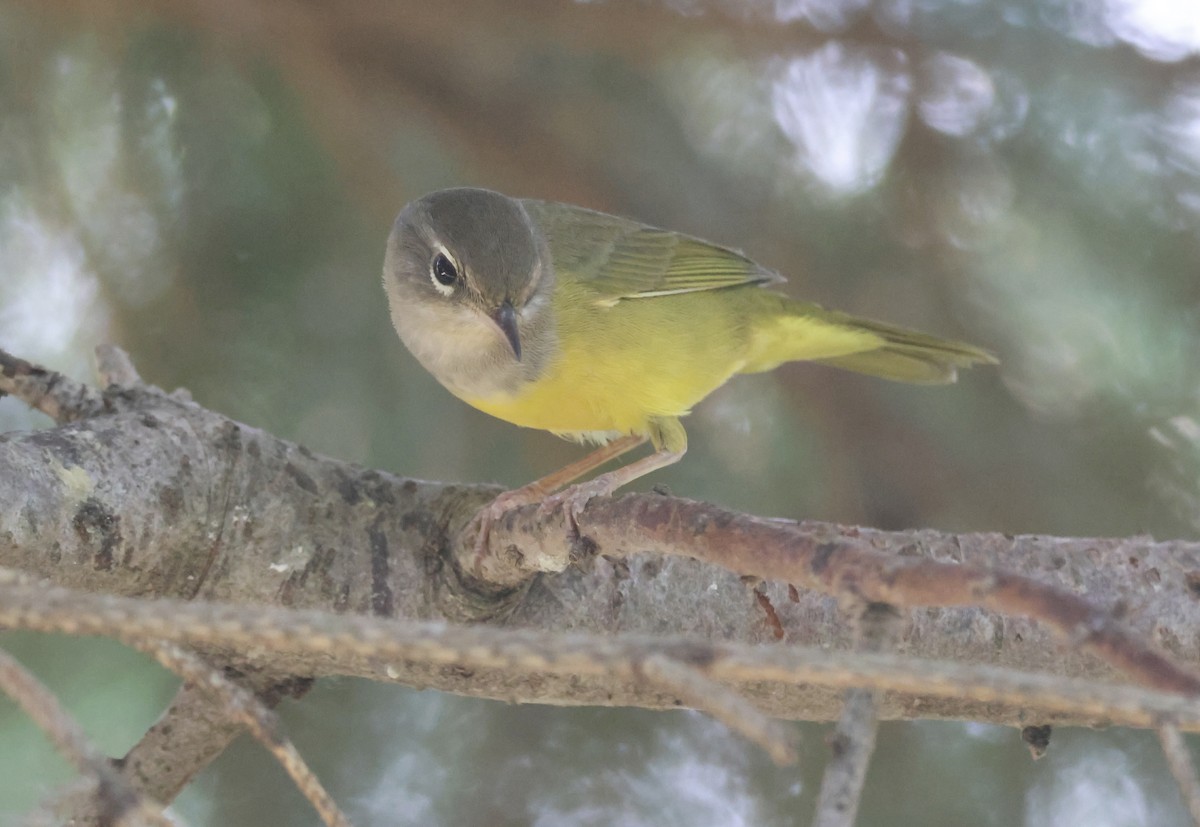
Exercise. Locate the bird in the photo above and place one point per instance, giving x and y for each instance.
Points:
(606, 330)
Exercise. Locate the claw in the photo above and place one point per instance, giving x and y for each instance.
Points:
(492, 512)
(575, 498)
(572, 500)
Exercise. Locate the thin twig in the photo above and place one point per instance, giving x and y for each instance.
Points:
(853, 739)
(262, 723)
(59, 397)
(113, 800)
(366, 646)
(728, 707)
(1182, 768)
(194, 729)
(851, 744)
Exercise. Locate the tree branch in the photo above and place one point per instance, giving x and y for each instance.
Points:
(150, 518)
(158, 496)
(107, 792)
(317, 643)
(256, 717)
(853, 740)
(1182, 768)
(843, 563)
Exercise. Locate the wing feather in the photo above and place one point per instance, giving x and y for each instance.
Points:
(623, 259)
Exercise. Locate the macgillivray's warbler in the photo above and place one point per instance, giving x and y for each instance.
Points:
(602, 329)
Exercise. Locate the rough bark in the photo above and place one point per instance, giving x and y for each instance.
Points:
(157, 496)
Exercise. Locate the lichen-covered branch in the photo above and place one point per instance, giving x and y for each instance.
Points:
(152, 495)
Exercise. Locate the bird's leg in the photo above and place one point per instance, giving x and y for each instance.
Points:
(538, 490)
(669, 438)
(577, 496)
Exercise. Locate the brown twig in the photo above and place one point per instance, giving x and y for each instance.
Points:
(191, 732)
(320, 643)
(843, 566)
(1179, 759)
(254, 715)
(112, 799)
(728, 707)
(59, 397)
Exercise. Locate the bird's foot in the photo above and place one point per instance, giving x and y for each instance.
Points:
(572, 500)
(481, 523)
(575, 498)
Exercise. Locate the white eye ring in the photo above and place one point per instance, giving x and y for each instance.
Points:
(444, 273)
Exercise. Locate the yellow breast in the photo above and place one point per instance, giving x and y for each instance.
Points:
(619, 366)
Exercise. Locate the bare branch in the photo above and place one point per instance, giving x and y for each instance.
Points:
(110, 796)
(845, 566)
(154, 495)
(728, 707)
(193, 730)
(851, 744)
(60, 398)
(161, 497)
(1182, 768)
(853, 740)
(254, 715)
(317, 643)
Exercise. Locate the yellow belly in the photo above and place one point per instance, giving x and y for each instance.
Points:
(619, 367)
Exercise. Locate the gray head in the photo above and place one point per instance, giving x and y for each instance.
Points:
(469, 280)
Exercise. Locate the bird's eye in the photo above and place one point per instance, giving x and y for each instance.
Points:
(444, 271)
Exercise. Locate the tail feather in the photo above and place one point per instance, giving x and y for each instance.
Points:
(808, 332)
(907, 355)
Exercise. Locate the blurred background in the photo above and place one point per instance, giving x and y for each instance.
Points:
(209, 184)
